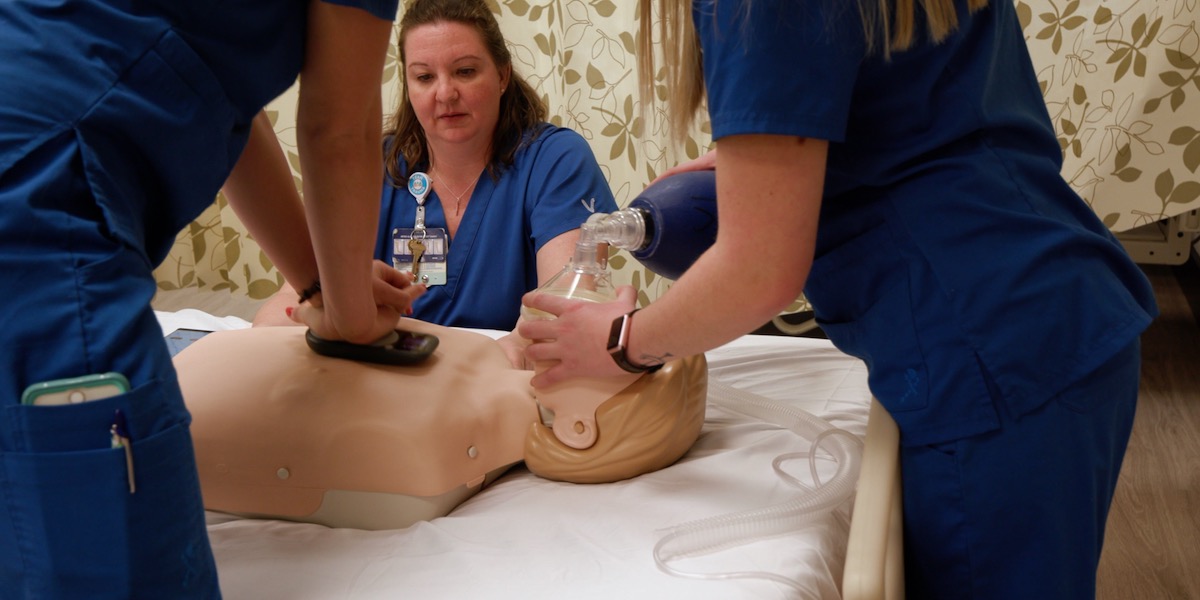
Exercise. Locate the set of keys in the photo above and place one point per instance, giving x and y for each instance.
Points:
(429, 244)
(417, 247)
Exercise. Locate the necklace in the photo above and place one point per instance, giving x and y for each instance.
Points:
(457, 197)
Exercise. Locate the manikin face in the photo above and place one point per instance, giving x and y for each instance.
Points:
(453, 84)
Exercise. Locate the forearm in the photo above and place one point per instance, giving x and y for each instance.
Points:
(675, 326)
(342, 174)
(263, 194)
(338, 125)
(769, 192)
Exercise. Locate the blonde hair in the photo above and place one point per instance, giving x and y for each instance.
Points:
(684, 74)
(894, 20)
(887, 24)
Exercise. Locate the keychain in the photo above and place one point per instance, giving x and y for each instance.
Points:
(420, 250)
(416, 247)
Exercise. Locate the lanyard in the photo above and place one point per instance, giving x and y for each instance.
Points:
(418, 186)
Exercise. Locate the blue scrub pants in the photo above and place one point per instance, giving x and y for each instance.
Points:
(1019, 512)
(76, 302)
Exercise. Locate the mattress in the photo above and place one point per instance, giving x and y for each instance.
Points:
(526, 537)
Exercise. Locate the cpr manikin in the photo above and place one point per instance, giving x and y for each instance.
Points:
(283, 432)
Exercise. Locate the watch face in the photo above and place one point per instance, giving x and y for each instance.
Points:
(618, 342)
(616, 334)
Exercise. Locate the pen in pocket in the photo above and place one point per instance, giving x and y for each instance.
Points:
(120, 439)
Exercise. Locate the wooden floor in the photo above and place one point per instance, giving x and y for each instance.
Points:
(1152, 546)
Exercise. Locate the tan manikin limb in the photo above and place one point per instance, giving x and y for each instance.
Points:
(282, 432)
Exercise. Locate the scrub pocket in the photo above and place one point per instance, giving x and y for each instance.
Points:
(70, 527)
(861, 296)
(878, 300)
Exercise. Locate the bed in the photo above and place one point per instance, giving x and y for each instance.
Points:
(526, 537)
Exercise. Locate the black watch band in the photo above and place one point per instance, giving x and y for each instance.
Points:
(618, 343)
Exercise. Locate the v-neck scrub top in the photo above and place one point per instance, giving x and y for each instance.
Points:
(119, 122)
(552, 187)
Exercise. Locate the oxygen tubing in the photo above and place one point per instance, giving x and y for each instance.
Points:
(705, 536)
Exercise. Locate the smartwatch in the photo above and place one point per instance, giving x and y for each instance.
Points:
(618, 343)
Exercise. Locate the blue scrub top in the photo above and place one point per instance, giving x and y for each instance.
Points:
(552, 187)
(949, 245)
(159, 98)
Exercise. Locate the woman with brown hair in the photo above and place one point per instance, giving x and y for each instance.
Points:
(507, 190)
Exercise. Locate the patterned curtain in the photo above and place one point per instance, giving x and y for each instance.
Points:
(1121, 80)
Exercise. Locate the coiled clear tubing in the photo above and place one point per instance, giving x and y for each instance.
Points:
(705, 536)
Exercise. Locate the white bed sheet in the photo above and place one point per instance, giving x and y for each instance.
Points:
(529, 538)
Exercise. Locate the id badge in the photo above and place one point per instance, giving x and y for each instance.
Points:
(428, 246)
